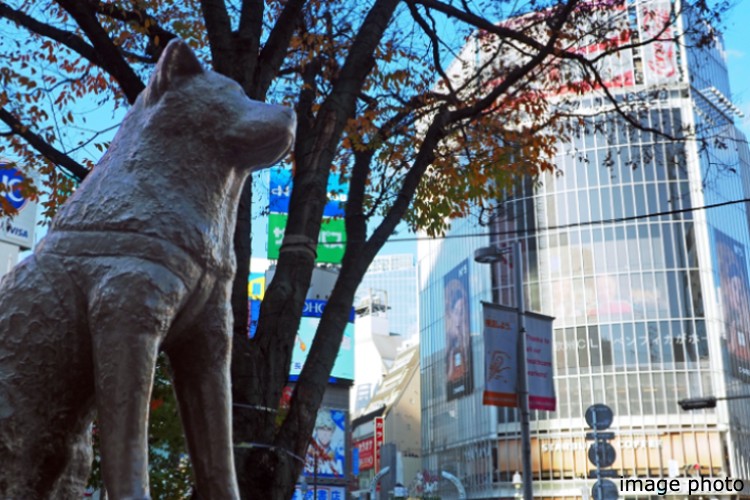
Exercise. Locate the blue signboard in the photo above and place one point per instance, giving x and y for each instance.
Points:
(343, 367)
(11, 178)
(281, 192)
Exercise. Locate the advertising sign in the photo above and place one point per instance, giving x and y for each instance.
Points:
(324, 492)
(326, 456)
(500, 370)
(379, 439)
(500, 367)
(735, 300)
(366, 448)
(343, 368)
(331, 240)
(280, 193)
(256, 285)
(459, 379)
(17, 230)
(659, 56)
(539, 362)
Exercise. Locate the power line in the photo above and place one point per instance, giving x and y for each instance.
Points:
(573, 224)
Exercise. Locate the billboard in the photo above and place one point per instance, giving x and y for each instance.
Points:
(280, 192)
(326, 455)
(627, 46)
(331, 240)
(735, 300)
(660, 56)
(256, 285)
(459, 379)
(343, 367)
(332, 237)
(323, 492)
(17, 230)
(366, 449)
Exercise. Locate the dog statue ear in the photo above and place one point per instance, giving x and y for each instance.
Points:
(176, 62)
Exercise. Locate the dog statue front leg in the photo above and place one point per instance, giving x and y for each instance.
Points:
(128, 319)
(123, 393)
(200, 366)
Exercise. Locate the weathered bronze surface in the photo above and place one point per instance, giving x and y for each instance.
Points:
(140, 259)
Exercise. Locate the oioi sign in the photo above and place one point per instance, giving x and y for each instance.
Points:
(19, 229)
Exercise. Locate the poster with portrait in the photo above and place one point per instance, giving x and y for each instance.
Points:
(459, 379)
(735, 300)
(326, 453)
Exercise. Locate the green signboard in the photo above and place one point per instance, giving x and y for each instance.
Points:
(330, 241)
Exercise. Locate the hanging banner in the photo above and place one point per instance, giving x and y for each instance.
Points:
(500, 369)
(500, 358)
(540, 374)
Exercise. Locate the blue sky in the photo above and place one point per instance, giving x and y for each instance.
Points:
(737, 47)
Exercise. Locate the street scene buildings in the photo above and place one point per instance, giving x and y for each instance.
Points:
(638, 249)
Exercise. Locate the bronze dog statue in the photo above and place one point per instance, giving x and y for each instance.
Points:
(140, 259)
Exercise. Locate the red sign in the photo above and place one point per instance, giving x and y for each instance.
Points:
(379, 437)
(366, 449)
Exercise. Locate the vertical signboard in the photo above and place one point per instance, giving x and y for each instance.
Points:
(326, 453)
(540, 375)
(19, 229)
(459, 379)
(500, 345)
(379, 439)
(735, 300)
(366, 448)
(660, 55)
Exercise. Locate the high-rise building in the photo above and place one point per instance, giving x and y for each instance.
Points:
(386, 306)
(390, 283)
(640, 252)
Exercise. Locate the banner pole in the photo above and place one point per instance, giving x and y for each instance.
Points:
(523, 382)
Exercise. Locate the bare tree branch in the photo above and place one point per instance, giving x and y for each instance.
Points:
(158, 36)
(70, 40)
(112, 60)
(47, 150)
(274, 51)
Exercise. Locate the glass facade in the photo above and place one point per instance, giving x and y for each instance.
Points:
(393, 279)
(650, 290)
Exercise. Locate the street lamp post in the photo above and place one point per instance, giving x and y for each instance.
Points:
(490, 255)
